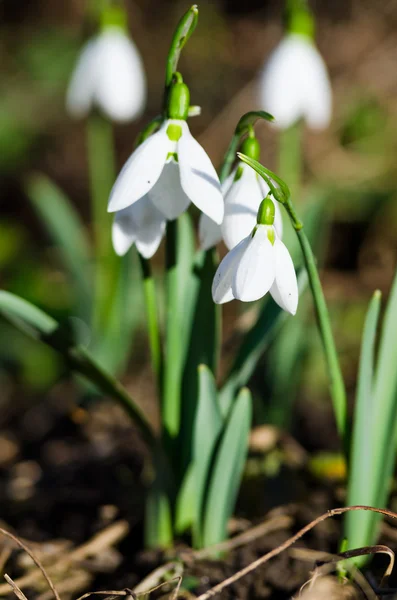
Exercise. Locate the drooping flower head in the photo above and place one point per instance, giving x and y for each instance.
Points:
(260, 263)
(294, 83)
(109, 73)
(162, 177)
(243, 192)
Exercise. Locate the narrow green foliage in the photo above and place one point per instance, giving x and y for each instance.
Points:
(360, 486)
(67, 232)
(202, 346)
(180, 256)
(185, 510)
(39, 325)
(227, 470)
(207, 428)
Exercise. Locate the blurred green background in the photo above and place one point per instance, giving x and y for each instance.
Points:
(351, 167)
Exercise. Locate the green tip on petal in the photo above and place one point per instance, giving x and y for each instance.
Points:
(266, 212)
(251, 147)
(114, 16)
(174, 132)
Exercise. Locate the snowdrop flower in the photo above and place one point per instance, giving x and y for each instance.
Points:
(159, 181)
(109, 74)
(243, 191)
(260, 263)
(294, 83)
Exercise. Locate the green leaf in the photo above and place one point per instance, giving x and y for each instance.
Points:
(180, 304)
(39, 325)
(384, 428)
(158, 515)
(66, 229)
(227, 470)
(33, 320)
(255, 342)
(360, 486)
(207, 428)
(203, 344)
(185, 510)
(112, 349)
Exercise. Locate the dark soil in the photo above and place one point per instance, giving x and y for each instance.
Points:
(67, 473)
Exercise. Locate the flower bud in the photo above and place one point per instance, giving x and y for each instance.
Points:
(251, 147)
(266, 212)
(178, 99)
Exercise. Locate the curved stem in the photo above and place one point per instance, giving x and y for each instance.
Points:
(281, 193)
(337, 384)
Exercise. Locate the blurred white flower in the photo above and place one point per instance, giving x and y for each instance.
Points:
(294, 84)
(260, 263)
(243, 191)
(167, 172)
(109, 74)
(140, 224)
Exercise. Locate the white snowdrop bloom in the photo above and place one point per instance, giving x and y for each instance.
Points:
(169, 170)
(140, 224)
(260, 263)
(243, 193)
(294, 84)
(109, 74)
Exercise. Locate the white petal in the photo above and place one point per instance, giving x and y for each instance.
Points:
(141, 223)
(222, 283)
(227, 184)
(141, 171)
(317, 103)
(199, 178)
(241, 207)
(121, 89)
(123, 232)
(295, 84)
(210, 233)
(285, 287)
(167, 195)
(80, 94)
(256, 270)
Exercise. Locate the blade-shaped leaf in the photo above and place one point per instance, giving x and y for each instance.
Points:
(203, 344)
(207, 428)
(384, 412)
(112, 349)
(360, 486)
(227, 470)
(39, 325)
(185, 510)
(66, 229)
(180, 305)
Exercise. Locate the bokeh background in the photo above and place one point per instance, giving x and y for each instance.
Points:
(351, 166)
